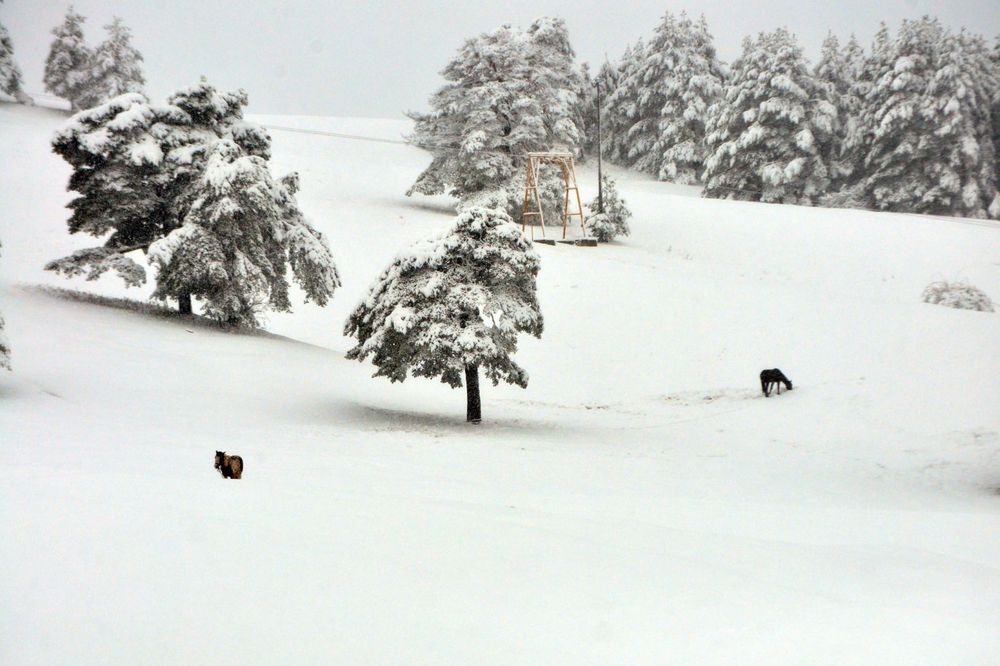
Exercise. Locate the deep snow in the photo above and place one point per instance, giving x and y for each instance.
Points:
(639, 503)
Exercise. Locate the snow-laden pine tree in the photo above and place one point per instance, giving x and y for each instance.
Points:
(237, 239)
(851, 133)
(835, 78)
(555, 81)
(965, 87)
(116, 66)
(139, 171)
(764, 136)
(862, 131)
(929, 151)
(509, 92)
(11, 81)
(653, 76)
(607, 216)
(4, 345)
(621, 106)
(452, 306)
(996, 109)
(684, 92)
(67, 67)
(585, 112)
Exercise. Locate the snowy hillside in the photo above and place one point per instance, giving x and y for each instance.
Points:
(639, 503)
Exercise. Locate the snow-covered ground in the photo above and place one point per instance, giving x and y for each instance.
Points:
(639, 503)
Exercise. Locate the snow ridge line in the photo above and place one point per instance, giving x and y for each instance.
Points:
(337, 135)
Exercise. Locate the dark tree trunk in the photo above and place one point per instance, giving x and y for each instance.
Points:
(473, 411)
(184, 304)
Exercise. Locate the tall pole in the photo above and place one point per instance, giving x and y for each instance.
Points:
(600, 151)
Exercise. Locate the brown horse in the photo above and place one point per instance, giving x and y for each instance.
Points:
(231, 467)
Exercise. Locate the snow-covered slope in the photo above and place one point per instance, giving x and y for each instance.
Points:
(639, 503)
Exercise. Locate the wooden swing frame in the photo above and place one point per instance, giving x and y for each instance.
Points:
(531, 191)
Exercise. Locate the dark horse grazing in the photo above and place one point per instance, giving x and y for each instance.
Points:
(231, 467)
(772, 378)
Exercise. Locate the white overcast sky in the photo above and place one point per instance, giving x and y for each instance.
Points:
(375, 58)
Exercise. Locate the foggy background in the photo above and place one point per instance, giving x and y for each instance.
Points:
(379, 59)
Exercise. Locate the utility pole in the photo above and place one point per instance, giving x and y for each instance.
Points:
(600, 151)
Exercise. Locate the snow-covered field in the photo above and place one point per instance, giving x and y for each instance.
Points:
(639, 503)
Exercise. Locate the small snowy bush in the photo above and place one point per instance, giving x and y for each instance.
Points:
(957, 295)
(613, 220)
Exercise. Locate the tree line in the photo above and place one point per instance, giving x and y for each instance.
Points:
(74, 71)
(910, 124)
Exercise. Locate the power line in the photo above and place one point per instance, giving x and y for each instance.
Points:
(337, 135)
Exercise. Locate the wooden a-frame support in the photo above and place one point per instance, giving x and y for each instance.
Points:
(531, 191)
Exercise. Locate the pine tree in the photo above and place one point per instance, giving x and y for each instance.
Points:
(452, 306)
(930, 150)
(509, 92)
(764, 136)
(585, 114)
(862, 131)
(610, 220)
(687, 89)
(4, 345)
(68, 63)
(555, 81)
(654, 72)
(621, 106)
(116, 66)
(995, 111)
(963, 90)
(835, 77)
(237, 238)
(140, 171)
(11, 82)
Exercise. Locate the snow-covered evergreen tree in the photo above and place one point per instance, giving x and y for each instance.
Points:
(691, 83)
(140, 170)
(930, 150)
(452, 306)
(835, 77)
(621, 106)
(764, 135)
(67, 67)
(241, 232)
(555, 81)
(508, 92)
(656, 111)
(585, 115)
(607, 216)
(11, 82)
(967, 77)
(862, 131)
(653, 74)
(996, 108)
(4, 345)
(116, 66)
